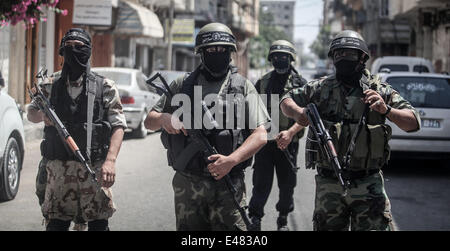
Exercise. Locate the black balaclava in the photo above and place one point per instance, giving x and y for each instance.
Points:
(282, 66)
(76, 59)
(349, 69)
(217, 63)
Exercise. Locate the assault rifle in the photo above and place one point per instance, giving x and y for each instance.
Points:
(201, 141)
(325, 143)
(41, 101)
(288, 156)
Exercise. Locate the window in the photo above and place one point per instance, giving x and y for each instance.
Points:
(120, 78)
(424, 92)
(384, 8)
(140, 78)
(420, 68)
(394, 67)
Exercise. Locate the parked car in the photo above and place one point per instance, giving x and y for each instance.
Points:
(430, 95)
(169, 76)
(402, 64)
(12, 142)
(135, 95)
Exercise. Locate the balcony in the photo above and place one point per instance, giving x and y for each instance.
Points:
(244, 16)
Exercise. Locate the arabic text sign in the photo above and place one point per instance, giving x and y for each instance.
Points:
(90, 12)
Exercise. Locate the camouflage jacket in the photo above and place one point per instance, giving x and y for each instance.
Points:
(111, 99)
(340, 109)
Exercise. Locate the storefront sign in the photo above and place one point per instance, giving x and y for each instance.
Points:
(88, 12)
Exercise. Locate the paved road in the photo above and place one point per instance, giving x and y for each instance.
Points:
(144, 195)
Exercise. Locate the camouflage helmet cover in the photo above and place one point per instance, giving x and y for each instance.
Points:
(282, 46)
(349, 39)
(214, 34)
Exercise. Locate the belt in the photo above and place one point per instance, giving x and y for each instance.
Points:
(346, 174)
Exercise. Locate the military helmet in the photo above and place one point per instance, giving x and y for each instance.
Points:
(349, 39)
(214, 34)
(282, 46)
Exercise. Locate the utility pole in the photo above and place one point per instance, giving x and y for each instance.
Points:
(325, 13)
(169, 45)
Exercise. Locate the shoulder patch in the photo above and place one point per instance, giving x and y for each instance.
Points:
(108, 82)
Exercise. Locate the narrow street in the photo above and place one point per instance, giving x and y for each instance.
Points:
(144, 196)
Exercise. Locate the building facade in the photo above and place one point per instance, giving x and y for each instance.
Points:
(283, 14)
(430, 29)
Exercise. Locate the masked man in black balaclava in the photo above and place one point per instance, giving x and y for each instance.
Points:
(354, 106)
(202, 199)
(89, 107)
(280, 154)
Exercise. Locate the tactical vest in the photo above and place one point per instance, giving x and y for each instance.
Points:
(340, 113)
(225, 141)
(73, 114)
(293, 81)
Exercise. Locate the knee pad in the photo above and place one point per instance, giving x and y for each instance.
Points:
(98, 225)
(58, 225)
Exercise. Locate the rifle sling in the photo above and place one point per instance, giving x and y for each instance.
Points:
(91, 92)
(187, 154)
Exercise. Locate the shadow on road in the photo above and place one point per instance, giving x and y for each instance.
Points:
(418, 191)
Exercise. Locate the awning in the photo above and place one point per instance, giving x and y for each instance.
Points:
(135, 20)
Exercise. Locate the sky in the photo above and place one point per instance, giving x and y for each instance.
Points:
(308, 14)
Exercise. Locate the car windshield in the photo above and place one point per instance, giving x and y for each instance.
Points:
(120, 78)
(395, 67)
(425, 92)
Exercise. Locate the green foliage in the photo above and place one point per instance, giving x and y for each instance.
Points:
(321, 45)
(260, 45)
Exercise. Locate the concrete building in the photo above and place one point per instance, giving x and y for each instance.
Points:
(126, 41)
(283, 14)
(240, 15)
(384, 35)
(23, 52)
(430, 29)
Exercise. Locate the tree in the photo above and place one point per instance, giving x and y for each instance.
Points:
(320, 46)
(260, 45)
(29, 11)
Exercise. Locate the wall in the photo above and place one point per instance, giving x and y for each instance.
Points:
(17, 63)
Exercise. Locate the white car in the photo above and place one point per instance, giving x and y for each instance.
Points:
(430, 95)
(402, 64)
(135, 95)
(12, 142)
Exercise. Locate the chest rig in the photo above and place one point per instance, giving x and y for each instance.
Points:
(269, 85)
(74, 115)
(341, 110)
(225, 141)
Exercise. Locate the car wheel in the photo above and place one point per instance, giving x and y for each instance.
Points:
(10, 177)
(141, 131)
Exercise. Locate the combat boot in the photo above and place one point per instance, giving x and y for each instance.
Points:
(256, 224)
(282, 223)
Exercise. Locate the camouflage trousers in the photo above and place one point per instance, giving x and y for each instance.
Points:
(41, 181)
(365, 207)
(204, 204)
(71, 193)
